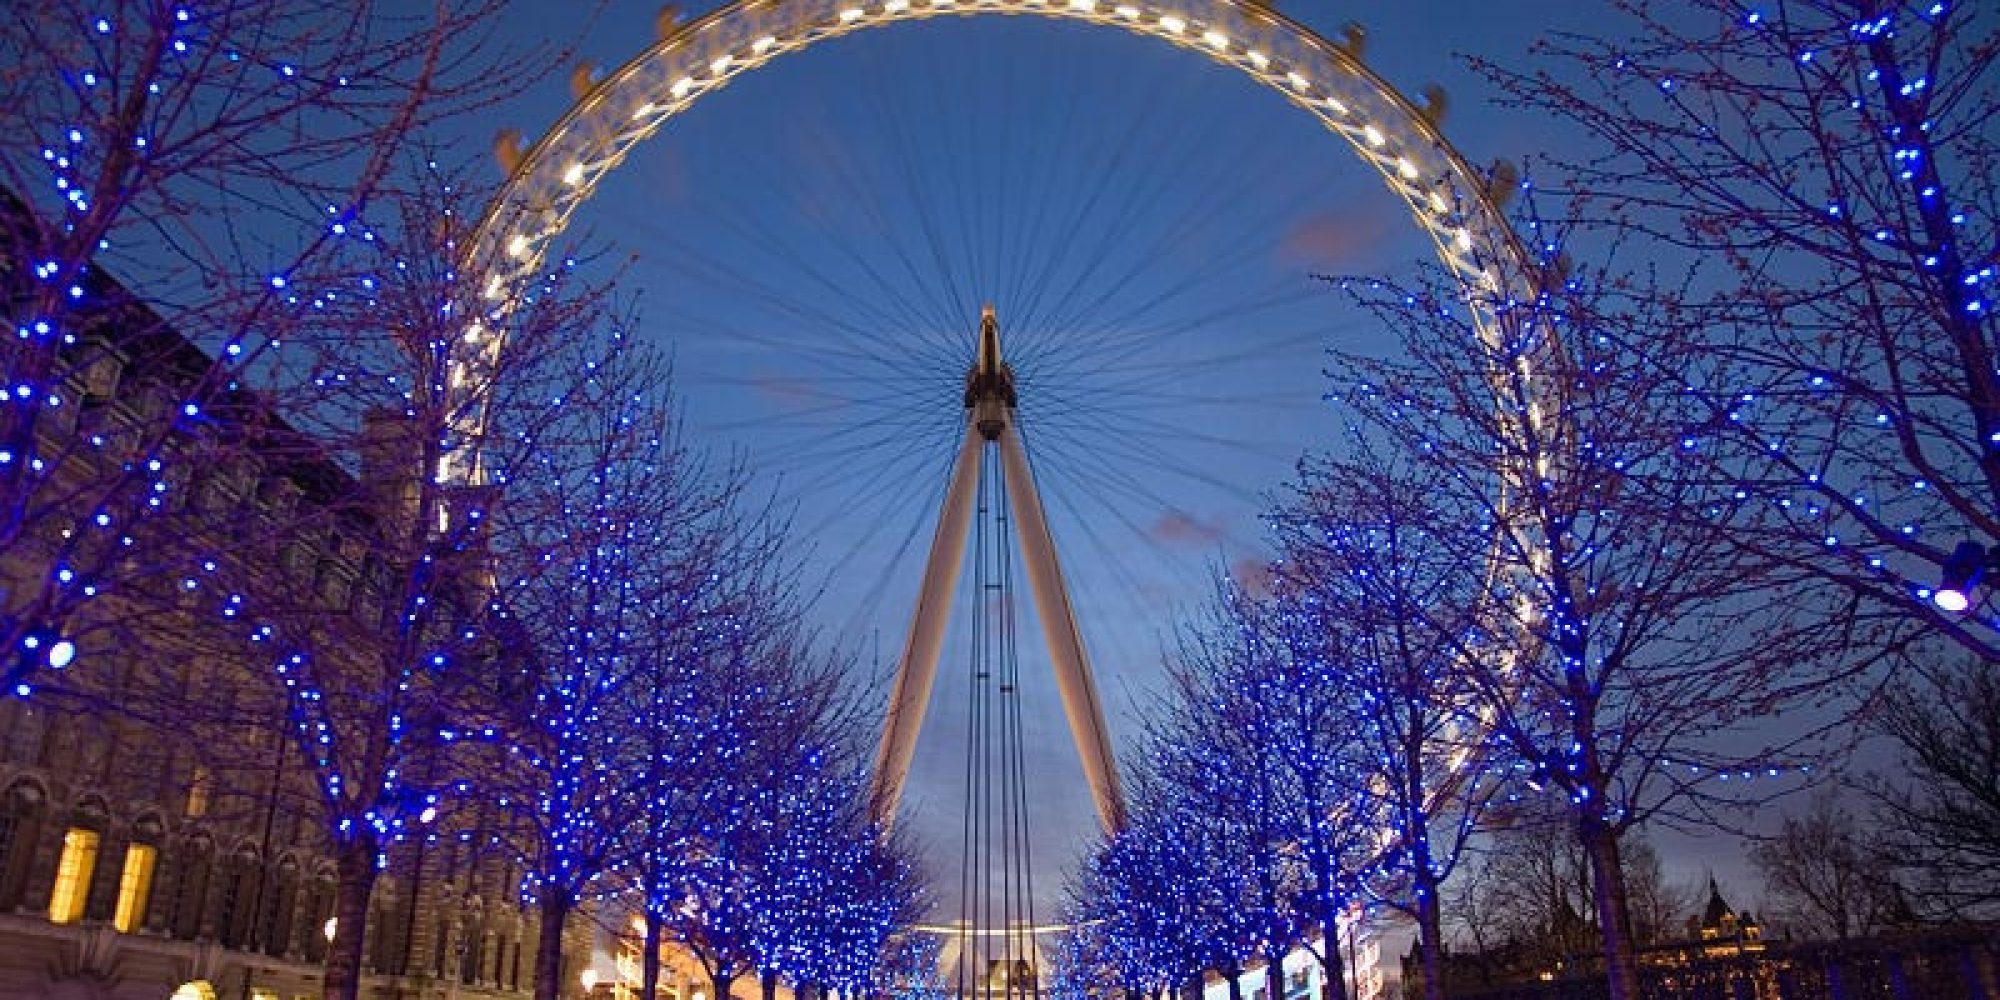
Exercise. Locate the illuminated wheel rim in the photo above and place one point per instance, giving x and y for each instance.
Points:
(1445, 196)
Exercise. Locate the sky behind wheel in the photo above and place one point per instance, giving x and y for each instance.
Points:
(815, 241)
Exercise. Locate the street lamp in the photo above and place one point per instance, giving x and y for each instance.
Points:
(589, 980)
(1963, 570)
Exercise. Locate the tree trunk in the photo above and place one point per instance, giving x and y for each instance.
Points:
(548, 946)
(354, 867)
(1331, 966)
(649, 961)
(1430, 931)
(1235, 983)
(770, 984)
(1614, 915)
(720, 984)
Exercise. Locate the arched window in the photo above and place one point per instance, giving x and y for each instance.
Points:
(136, 873)
(319, 915)
(385, 935)
(280, 909)
(20, 830)
(135, 887)
(472, 967)
(197, 859)
(238, 911)
(73, 874)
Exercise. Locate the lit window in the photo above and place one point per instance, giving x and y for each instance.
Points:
(79, 861)
(135, 887)
(198, 786)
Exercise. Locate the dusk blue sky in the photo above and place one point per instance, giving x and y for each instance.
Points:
(814, 242)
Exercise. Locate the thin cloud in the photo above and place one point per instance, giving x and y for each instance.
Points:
(1340, 240)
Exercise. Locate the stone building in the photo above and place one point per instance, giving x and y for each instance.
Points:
(157, 838)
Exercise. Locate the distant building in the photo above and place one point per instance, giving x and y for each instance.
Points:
(1719, 931)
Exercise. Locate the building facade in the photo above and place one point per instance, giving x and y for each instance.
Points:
(157, 836)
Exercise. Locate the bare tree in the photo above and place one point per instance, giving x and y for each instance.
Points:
(1822, 876)
(1660, 906)
(364, 591)
(1367, 588)
(1826, 170)
(1624, 643)
(1534, 887)
(1939, 813)
(614, 530)
(206, 154)
(1266, 726)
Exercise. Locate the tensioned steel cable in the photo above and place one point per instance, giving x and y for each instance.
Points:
(1020, 850)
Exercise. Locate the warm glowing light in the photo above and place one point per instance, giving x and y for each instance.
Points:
(588, 979)
(135, 886)
(1373, 135)
(1128, 12)
(1406, 168)
(73, 871)
(1173, 24)
(719, 64)
(682, 86)
(573, 175)
(1951, 599)
(896, 6)
(1258, 59)
(851, 15)
(330, 928)
(1083, 5)
(644, 109)
(62, 653)
(517, 245)
(1216, 39)
(1298, 82)
(763, 45)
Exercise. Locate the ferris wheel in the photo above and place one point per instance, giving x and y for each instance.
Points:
(822, 235)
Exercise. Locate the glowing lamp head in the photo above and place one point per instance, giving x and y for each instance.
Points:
(62, 653)
(1961, 573)
(430, 813)
(589, 980)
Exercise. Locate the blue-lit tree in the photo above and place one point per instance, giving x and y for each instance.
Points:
(203, 153)
(1826, 171)
(835, 891)
(614, 533)
(753, 848)
(1271, 731)
(1175, 893)
(1225, 747)
(737, 861)
(359, 577)
(1631, 648)
(1375, 611)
